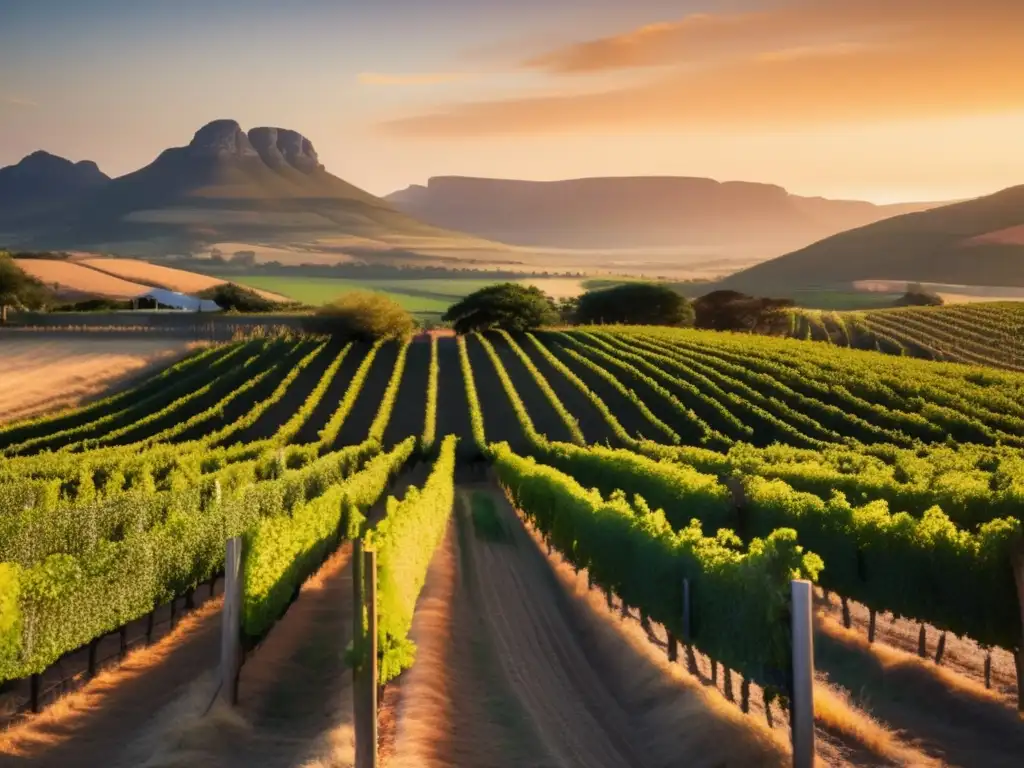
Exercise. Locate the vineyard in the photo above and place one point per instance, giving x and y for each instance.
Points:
(648, 457)
(976, 334)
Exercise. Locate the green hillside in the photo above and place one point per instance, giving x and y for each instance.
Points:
(978, 242)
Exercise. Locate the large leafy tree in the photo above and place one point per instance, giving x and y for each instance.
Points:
(725, 310)
(510, 306)
(635, 304)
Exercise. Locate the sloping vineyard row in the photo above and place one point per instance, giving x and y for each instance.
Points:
(977, 334)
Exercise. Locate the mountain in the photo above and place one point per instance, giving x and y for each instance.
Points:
(977, 242)
(635, 212)
(41, 183)
(266, 185)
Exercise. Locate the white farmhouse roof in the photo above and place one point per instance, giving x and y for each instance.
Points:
(181, 301)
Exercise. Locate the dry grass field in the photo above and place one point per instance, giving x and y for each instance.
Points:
(46, 373)
(173, 279)
(70, 279)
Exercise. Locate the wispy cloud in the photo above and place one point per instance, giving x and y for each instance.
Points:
(802, 62)
(425, 78)
(17, 101)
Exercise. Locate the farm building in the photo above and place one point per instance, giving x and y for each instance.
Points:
(172, 300)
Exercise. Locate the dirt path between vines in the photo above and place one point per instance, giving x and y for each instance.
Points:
(948, 717)
(517, 668)
(295, 690)
(962, 656)
(90, 727)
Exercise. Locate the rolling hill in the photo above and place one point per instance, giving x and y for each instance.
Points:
(636, 212)
(266, 186)
(976, 243)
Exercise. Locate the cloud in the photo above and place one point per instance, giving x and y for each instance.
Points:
(17, 102)
(804, 62)
(426, 78)
(794, 24)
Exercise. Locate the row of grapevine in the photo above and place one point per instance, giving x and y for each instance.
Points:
(659, 425)
(510, 391)
(329, 434)
(968, 404)
(613, 423)
(387, 401)
(980, 334)
(782, 413)
(570, 421)
(476, 414)
(169, 424)
(738, 599)
(972, 484)
(281, 551)
(921, 567)
(65, 599)
(430, 413)
(405, 542)
(810, 416)
(801, 378)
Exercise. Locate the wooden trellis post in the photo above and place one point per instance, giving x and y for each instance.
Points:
(802, 687)
(357, 646)
(372, 676)
(231, 616)
(364, 575)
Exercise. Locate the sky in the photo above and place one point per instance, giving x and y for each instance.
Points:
(883, 100)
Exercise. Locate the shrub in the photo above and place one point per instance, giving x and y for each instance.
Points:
(230, 296)
(94, 305)
(363, 315)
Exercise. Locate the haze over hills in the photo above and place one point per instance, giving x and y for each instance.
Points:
(637, 212)
(266, 185)
(978, 242)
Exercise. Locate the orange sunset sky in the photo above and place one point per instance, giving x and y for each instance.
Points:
(877, 99)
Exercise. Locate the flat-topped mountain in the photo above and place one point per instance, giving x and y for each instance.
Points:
(635, 212)
(226, 184)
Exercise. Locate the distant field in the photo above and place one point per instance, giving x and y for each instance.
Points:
(424, 297)
(67, 277)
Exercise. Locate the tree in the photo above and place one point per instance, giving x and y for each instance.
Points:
(230, 296)
(363, 315)
(19, 290)
(734, 311)
(510, 306)
(567, 307)
(917, 296)
(635, 304)
(244, 258)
